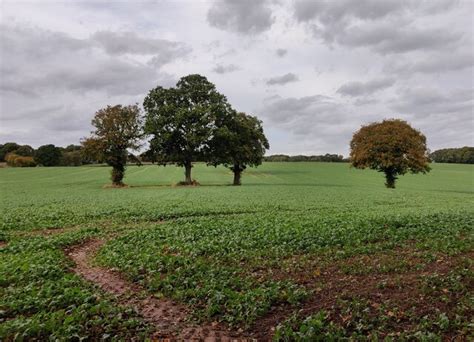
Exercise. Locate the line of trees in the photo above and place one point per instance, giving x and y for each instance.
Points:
(334, 158)
(187, 123)
(463, 155)
(47, 155)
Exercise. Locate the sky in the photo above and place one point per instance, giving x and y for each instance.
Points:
(313, 71)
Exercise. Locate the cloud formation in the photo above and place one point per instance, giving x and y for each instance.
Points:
(352, 62)
(244, 16)
(431, 101)
(223, 69)
(38, 61)
(283, 79)
(360, 88)
(281, 52)
(445, 61)
(119, 43)
(54, 82)
(384, 26)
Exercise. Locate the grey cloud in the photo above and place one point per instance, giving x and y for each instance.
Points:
(306, 10)
(387, 38)
(445, 62)
(119, 43)
(52, 83)
(244, 16)
(63, 118)
(281, 52)
(223, 69)
(425, 101)
(385, 26)
(295, 113)
(355, 89)
(116, 77)
(110, 76)
(318, 122)
(364, 101)
(283, 79)
(32, 114)
(36, 44)
(38, 61)
(338, 11)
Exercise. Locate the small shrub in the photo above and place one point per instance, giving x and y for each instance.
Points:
(15, 160)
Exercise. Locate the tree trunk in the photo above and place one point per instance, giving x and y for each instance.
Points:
(237, 176)
(117, 175)
(390, 179)
(187, 173)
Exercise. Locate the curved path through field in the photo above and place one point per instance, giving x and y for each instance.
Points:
(169, 319)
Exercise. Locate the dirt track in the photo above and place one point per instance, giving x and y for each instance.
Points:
(170, 319)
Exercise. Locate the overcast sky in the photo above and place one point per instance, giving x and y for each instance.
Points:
(313, 71)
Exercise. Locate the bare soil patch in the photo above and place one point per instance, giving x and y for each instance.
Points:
(170, 319)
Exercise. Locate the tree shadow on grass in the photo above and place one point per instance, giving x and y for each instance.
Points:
(244, 185)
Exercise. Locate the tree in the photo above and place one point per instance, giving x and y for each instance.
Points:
(72, 148)
(181, 119)
(117, 129)
(72, 158)
(392, 147)
(25, 151)
(6, 148)
(48, 155)
(237, 142)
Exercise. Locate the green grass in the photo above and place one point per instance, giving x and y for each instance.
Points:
(231, 253)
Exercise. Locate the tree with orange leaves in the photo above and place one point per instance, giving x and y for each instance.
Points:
(392, 147)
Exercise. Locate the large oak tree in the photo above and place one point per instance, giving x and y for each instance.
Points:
(181, 120)
(117, 129)
(392, 147)
(237, 142)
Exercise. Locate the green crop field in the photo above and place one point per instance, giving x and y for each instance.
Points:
(300, 251)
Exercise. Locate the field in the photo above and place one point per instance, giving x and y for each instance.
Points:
(301, 251)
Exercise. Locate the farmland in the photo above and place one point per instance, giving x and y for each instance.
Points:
(300, 251)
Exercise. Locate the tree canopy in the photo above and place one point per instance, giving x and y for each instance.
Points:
(392, 147)
(238, 141)
(181, 119)
(7, 148)
(462, 155)
(117, 129)
(25, 151)
(48, 155)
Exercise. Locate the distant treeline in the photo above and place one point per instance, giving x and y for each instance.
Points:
(17, 155)
(462, 155)
(74, 155)
(47, 155)
(336, 158)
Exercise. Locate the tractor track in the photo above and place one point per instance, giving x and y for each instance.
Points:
(169, 319)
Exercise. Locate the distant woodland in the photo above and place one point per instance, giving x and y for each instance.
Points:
(463, 155)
